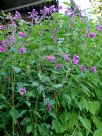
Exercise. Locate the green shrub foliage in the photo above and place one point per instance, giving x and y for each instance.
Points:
(50, 76)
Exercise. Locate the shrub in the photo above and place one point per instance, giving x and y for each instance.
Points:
(50, 76)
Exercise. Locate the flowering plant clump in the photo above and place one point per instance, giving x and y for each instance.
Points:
(50, 75)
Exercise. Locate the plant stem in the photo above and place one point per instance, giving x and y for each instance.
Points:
(13, 80)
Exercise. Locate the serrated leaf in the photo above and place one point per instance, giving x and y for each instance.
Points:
(14, 114)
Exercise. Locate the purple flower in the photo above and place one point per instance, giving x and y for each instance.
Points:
(48, 107)
(4, 42)
(82, 68)
(22, 50)
(2, 49)
(12, 24)
(21, 34)
(60, 7)
(51, 58)
(75, 59)
(52, 9)
(55, 30)
(1, 26)
(11, 39)
(33, 15)
(66, 57)
(58, 66)
(17, 15)
(99, 28)
(22, 91)
(93, 69)
(91, 35)
(54, 38)
(45, 11)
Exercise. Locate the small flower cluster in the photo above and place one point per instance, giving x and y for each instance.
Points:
(1, 27)
(66, 57)
(82, 68)
(47, 11)
(17, 15)
(50, 58)
(91, 35)
(75, 59)
(92, 69)
(99, 28)
(22, 90)
(34, 15)
(22, 50)
(2, 49)
(21, 34)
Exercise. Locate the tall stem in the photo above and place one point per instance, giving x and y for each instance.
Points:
(13, 80)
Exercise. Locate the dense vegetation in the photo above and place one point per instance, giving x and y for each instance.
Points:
(50, 75)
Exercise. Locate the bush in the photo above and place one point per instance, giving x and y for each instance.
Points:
(50, 76)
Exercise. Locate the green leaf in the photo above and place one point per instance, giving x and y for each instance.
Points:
(98, 132)
(73, 120)
(37, 114)
(66, 3)
(56, 125)
(29, 129)
(22, 113)
(94, 106)
(85, 90)
(35, 84)
(30, 94)
(53, 115)
(16, 69)
(67, 98)
(28, 103)
(44, 78)
(59, 128)
(14, 114)
(97, 122)
(57, 86)
(85, 104)
(85, 122)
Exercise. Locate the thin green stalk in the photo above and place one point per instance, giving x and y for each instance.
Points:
(13, 82)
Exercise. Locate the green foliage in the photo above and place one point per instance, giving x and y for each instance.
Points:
(38, 96)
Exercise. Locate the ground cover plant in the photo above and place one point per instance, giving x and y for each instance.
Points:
(50, 75)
